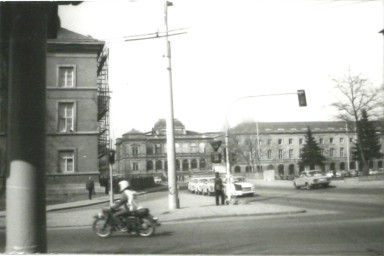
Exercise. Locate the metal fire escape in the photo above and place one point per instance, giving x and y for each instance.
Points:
(103, 99)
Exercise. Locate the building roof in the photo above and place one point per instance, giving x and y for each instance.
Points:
(64, 35)
(69, 41)
(134, 131)
(297, 127)
(162, 124)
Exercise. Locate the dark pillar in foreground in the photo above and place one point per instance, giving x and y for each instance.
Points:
(25, 201)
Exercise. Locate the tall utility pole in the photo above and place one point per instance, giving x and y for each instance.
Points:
(171, 156)
(25, 200)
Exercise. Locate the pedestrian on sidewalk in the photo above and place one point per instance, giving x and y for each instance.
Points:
(219, 192)
(90, 186)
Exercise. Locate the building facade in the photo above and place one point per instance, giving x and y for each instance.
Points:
(73, 114)
(140, 153)
(277, 146)
(280, 144)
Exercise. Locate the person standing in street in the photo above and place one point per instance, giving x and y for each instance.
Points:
(90, 186)
(219, 192)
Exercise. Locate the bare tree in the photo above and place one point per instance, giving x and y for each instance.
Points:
(245, 144)
(356, 94)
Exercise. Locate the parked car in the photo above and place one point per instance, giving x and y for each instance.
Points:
(311, 179)
(199, 185)
(208, 186)
(342, 174)
(157, 180)
(194, 184)
(330, 174)
(238, 186)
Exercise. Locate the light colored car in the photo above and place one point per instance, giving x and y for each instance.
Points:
(157, 180)
(238, 186)
(200, 185)
(330, 174)
(208, 187)
(194, 183)
(311, 179)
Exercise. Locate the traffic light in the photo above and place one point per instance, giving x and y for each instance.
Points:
(111, 156)
(302, 98)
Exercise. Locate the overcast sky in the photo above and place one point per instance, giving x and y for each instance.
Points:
(232, 49)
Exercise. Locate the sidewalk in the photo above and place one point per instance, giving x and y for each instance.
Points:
(342, 183)
(192, 207)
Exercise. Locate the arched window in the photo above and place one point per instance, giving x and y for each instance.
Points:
(342, 166)
(177, 165)
(237, 169)
(352, 165)
(149, 166)
(194, 164)
(291, 169)
(270, 167)
(248, 168)
(159, 165)
(371, 164)
(380, 164)
(281, 169)
(203, 163)
(185, 165)
(332, 167)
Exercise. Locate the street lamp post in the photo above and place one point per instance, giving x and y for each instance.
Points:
(172, 185)
(302, 103)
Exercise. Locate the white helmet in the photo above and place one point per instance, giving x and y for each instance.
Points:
(123, 185)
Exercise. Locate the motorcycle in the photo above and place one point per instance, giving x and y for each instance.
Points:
(139, 222)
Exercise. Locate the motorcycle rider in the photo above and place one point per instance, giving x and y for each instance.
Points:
(128, 199)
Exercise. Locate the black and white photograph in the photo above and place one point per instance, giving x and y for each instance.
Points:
(191, 127)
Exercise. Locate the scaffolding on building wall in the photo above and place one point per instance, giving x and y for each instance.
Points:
(103, 98)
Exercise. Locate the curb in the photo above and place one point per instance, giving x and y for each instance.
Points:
(234, 215)
(197, 218)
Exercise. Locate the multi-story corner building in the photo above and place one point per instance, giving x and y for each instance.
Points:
(146, 153)
(74, 115)
(280, 145)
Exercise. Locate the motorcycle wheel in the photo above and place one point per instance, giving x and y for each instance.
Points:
(102, 228)
(146, 228)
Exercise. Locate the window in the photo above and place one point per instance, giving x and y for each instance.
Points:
(341, 140)
(135, 166)
(149, 149)
(301, 152)
(202, 147)
(260, 142)
(280, 141)
(185, 148)
(291, 154)
(194, 148)
(300, 141)
(269, 141)
(269, 154)
(322, 152)
(332, 152)
(66, 161)
(331, 140)
(280, 154)
(321, 141)
(290, 141)
(66, 116)
(341, 152)
(135, 150)
(66, 76)
(158, 149)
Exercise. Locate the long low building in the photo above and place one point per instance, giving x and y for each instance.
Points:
(279, 148)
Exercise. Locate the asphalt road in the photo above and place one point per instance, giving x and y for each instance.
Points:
(337, 222)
